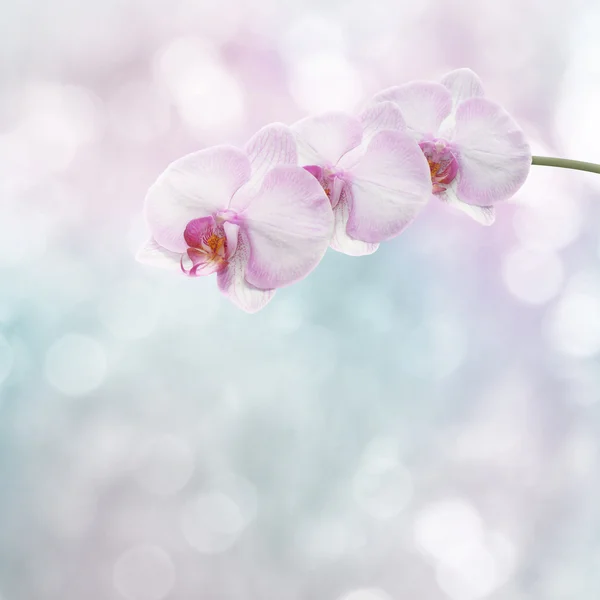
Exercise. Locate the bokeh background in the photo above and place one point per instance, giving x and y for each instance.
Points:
(420, 423)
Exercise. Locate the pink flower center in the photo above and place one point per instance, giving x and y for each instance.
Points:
(331, 179)
(207, 247)
(442, 164)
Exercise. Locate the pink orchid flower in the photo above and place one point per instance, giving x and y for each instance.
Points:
(253, 217)
(373, 172)
(477, 153)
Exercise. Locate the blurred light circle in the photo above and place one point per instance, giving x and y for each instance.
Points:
(23, 237)
(138, 112)
(312, 34)
(323, 352)
(469, 577)
(287, 316)
(573, 325)
(582, 381)
(104, 447)
(138, 234)
(549, 217)
(7, 310)
(377, 309)
(131, 310)
(217, 21)
(206, 95)
(213, 103)
(69, 506)
(75, 364)
(165, 465)
(78, 284)
(533, 276)
(383, 449)
(366, 594)
(7, 359)
(241, 491)
(447, 527)
(382, 486)
(581, 454)
(504, 552)
(170, 61)
(212, 522)
(575, 116)
(144, 573)
(438, 347)
(325, 541)
(323, 82)
(57, 120)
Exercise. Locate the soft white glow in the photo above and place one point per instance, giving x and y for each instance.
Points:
(312, 34)
(573, 325)
(325, 82)
(23, 236)
(138, 111)
(583, 382)
(208, 97)
(576, 116)
(287, 316)
(448, 528)
(144, 573)
(438, 347)
(241, 491)
(165, 465)
(7, 359)
(550, 216)
(470, 576)
(325, 541)
(367, 594)
(75, 364)
(56, 120)
(212, 522)
(382, 485)
(532, 276)
(68, 508)
(131, 310)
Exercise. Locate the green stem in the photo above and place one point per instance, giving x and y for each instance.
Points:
(565, 163)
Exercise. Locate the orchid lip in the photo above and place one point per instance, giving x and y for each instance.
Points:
(443, 164)
(207, 250)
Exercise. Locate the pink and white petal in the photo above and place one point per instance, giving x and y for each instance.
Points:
(194, 186)
(315, 171)
(351, 158)
(493, 154)
(463, 84)
(324, 139)
(341, 241)
(232, 281)
(389, 187)
(382, 116)
(423, 104)
(335, 192)
(484, 215)
(153, 254)
(232, 237)
(272, 145)
(289, 225)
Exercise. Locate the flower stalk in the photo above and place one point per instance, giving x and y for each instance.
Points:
(565, 163)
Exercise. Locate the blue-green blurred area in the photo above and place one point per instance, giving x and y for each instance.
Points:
(419, 423)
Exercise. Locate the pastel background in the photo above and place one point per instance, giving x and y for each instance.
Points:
(422, 423)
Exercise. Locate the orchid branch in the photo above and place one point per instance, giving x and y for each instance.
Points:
(565, 163)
